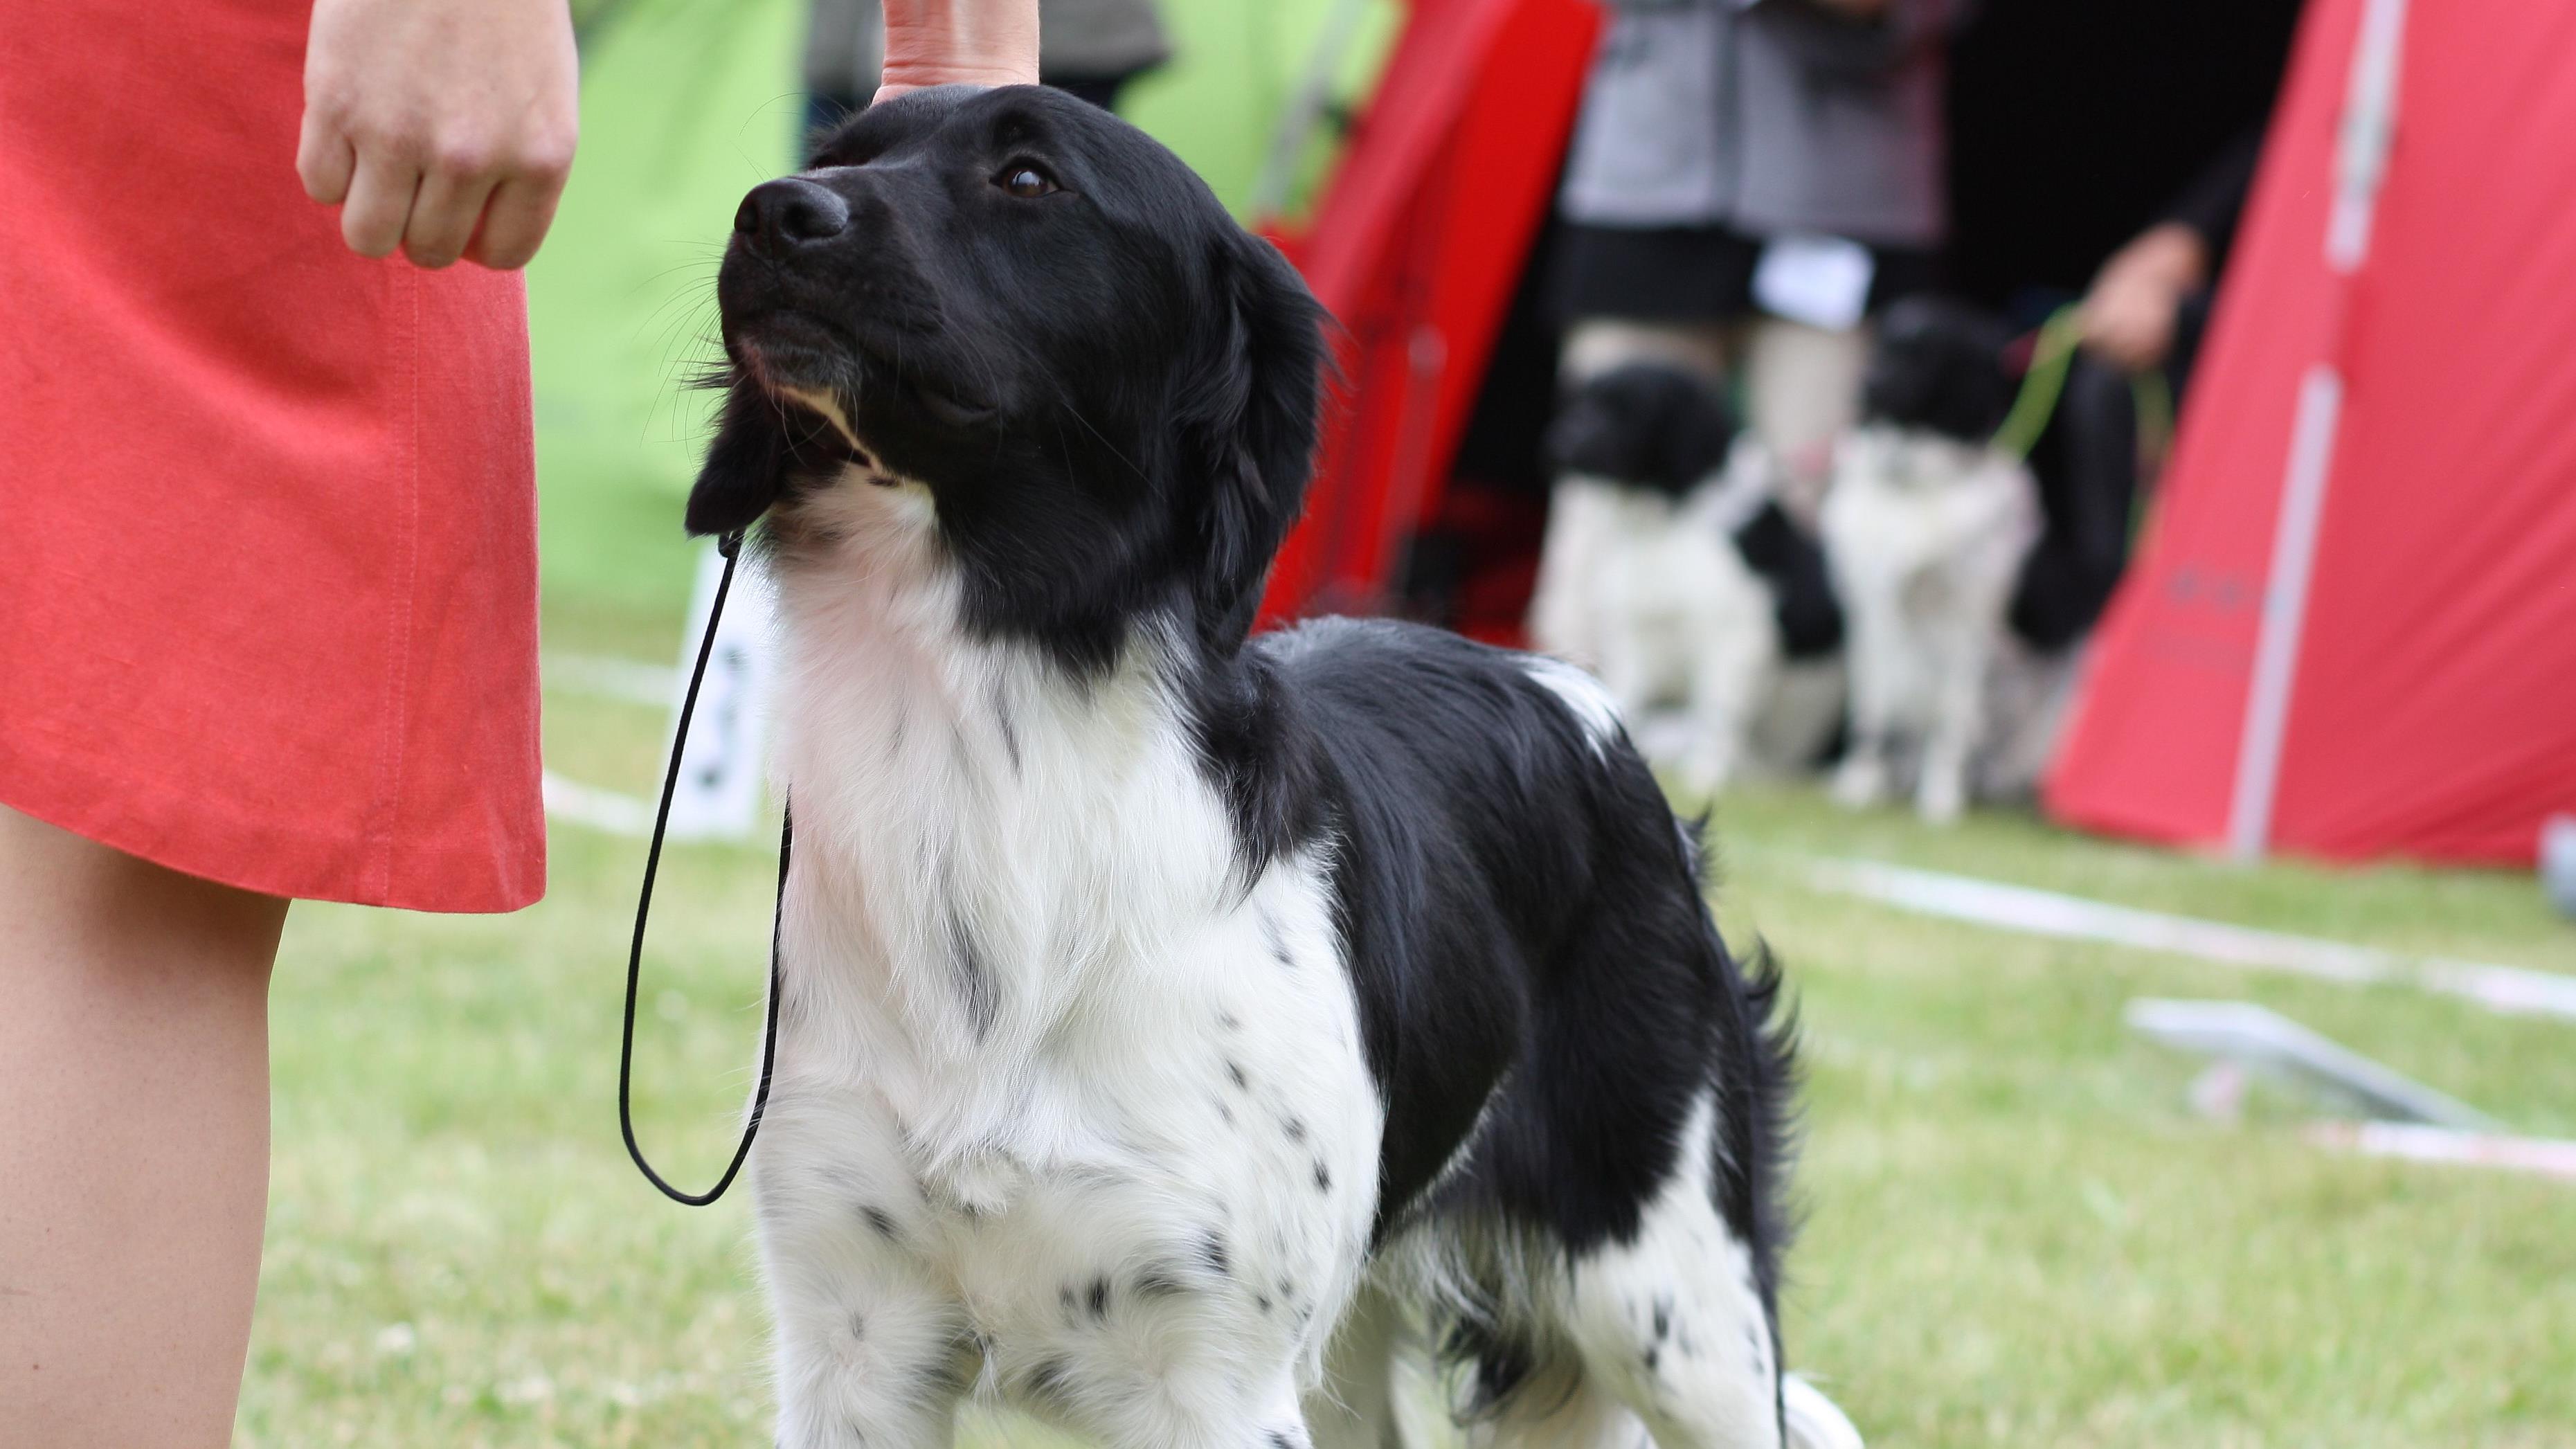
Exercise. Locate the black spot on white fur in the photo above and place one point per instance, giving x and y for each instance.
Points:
(1049, 1379)
(1278, 943)
(1009, 731)
(977, 991)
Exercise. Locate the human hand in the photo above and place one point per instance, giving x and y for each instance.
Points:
(2129, 313)
(950, 42)
(445, 127)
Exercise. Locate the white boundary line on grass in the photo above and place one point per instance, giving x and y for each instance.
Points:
(605, 676)
(605, 810)
(2416, 1142)
(2513, 990)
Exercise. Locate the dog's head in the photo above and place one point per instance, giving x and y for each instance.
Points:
(1939, 364)
(1035, 312)
(1649, 425)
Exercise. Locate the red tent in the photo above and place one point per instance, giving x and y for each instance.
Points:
(2351, 630)
(1416, 248)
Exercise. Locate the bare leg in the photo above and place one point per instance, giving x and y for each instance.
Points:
(134, 1062)
(1802, 387)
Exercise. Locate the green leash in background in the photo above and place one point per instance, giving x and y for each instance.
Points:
(2045, 383)
(2042, 384)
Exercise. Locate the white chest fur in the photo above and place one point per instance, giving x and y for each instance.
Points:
(1053, 1078)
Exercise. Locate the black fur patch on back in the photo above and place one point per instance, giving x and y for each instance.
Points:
(1526, 937)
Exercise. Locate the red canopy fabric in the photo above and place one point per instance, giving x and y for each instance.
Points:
(2351, 629)
(1416, 249)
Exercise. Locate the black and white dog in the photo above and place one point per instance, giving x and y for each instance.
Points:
(1169, 1017)
(1926, 526)
(1671, 569)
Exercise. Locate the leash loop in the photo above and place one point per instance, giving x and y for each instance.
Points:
(730, 545)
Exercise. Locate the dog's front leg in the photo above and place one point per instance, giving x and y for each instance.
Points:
(1875, 646)
(871, 1348)
(866, 1354)
(1737, 668)
(1962, 655)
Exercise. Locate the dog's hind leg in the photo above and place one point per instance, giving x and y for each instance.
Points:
(1673, 1324)
(1585, 1418)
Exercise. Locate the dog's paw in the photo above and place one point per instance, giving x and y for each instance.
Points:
(1706, 769)
(1814, 1421)
(1941, 798)
(1861, 782)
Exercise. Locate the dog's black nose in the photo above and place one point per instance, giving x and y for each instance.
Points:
(791, 212)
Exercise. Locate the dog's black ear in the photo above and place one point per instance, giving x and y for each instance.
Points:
(746, 467)
(1255, 415)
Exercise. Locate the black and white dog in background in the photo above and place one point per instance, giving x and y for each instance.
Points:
(1169, 1018)
(1672, 570)
(1926, 526)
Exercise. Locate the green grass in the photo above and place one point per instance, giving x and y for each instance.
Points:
(2016, 1232)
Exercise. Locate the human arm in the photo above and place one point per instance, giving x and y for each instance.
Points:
(444, 127)
(2130, 310)
(950, 42)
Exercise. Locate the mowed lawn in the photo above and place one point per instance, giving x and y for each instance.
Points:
(2016, 1231)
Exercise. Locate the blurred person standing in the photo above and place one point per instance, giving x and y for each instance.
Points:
(1748, 181)
(268, 599)
(2143, 316)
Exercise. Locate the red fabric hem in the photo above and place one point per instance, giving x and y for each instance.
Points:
(192, 837)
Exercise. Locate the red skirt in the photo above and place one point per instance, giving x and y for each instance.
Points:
(267, 508)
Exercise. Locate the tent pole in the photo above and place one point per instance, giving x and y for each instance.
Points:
(2285, 607)
(2369, 124)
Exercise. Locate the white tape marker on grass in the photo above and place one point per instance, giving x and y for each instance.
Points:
(2416, 1142)
(603, 810)
(2510, 989)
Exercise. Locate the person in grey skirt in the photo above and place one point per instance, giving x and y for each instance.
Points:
(1749, 180)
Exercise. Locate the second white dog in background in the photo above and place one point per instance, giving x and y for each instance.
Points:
(1926, 527)
(1671, 570)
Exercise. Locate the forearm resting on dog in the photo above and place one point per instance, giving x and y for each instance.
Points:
(445, 128)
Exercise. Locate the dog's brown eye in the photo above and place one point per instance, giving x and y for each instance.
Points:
(1024, 181)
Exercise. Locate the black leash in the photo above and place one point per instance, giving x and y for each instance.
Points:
(730, 546)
